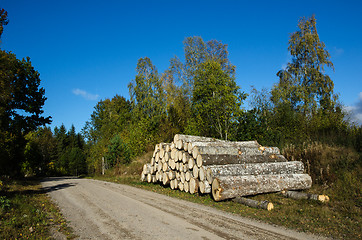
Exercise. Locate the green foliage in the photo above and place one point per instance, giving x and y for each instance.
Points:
(118, 152)
(3, 20)
(4, 203)
(146, 92)
(303, 84)
(21, 104)
(216, 100)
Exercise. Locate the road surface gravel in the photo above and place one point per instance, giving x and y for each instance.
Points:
(103, 210)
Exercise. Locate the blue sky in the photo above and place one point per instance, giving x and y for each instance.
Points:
(87, 50)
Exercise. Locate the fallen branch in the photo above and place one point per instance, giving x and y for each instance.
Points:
(302, 195)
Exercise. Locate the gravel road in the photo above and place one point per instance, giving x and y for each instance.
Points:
(103, 210)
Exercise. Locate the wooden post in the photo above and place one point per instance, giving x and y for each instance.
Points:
(103, 166)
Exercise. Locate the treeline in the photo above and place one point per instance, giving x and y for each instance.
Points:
(58, 153)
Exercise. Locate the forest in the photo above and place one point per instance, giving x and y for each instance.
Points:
(196, 95)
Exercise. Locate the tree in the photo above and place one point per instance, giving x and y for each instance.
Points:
(21, 104)
(303, 85)
(118, 152)
(146, 91)
(3, 20)
(216, 99)
(196, 51)
(304, 104)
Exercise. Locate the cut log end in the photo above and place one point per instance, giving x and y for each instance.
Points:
(216, 190)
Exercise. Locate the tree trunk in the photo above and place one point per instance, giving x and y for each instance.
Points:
(191, 163)
(182, 177)
(186, 186)
(190, 138)
(295, 167)
(233, 150)
(172, 164)
(202, 173)
(221, 143)
(181, 186)
(195, 171)
(232, 186)
(194, 185)
(171, 175)
(204, 187)
(223, 159)
(165, 179)
(188, 176)
(147, 168)
(174, 153)
(302, 195)
(253, 203)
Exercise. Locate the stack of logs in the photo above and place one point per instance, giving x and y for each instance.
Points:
(224, 168)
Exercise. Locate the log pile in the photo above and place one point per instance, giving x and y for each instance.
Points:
(224, 168)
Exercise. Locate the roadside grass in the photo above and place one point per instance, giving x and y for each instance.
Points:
(26, 212)
(339, 218)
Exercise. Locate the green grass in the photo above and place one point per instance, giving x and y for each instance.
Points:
(337, 219)
(26, 212)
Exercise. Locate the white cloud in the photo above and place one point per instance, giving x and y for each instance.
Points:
(85, 94)
(338, 51)
(355, 111)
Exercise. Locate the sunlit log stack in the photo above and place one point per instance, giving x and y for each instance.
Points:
(224, 168)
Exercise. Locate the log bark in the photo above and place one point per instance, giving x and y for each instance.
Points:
(204, 187)
(253, 203)
(194, 185)
(190, 138)
(223, 159)
(232, 186)
(232, 150)
(244, 144)
(302, 195)
(295, 167)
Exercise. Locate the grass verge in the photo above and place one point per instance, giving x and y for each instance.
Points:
(26, 212)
